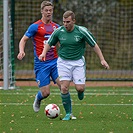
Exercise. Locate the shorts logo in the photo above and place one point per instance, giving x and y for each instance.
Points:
(38, 82)
(79, 80)
(60, 77)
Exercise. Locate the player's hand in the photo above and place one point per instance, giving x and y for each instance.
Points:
(105, 64)
(41, 57)
(21, 55)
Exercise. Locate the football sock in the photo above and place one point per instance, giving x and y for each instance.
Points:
(71, 106)
(39, 96)
(66, 100)
(80, 95)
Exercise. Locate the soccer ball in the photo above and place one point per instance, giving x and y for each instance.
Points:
(52, 111)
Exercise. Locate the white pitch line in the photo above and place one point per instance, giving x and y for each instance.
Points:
(90, 90)
(29, 104)
(101, 93)
(91, 94)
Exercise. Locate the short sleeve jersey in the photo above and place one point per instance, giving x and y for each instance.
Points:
(72, 44)
(40, 32)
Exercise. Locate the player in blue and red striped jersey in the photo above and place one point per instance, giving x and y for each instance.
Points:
(40, 31)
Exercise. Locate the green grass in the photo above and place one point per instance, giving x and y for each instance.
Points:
(103, 110)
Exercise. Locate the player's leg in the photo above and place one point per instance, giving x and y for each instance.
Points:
(54, 73)
(55, 78)
(79, 78)
(80, 90)
(79, 81)
(66, 98)
(43, 93)
(66, 101)
(72, 116)
(65, 77)
(43, 79)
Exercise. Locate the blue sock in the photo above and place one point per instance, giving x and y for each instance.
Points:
(39, 96)
(66, 100)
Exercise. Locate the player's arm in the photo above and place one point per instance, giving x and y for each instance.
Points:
(28, 34)
(45, 50)
(90, 39)
(101, 57)
(52, 41)
(22, 43)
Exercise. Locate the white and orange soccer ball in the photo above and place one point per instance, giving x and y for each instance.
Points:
(52, 111)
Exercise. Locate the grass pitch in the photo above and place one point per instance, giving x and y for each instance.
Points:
(103, 110)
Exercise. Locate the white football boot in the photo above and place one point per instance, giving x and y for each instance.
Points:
(36, 104)
(73, 117)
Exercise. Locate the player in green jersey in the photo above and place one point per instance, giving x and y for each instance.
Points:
(71, 63)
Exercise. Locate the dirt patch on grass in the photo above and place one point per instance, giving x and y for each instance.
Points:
(88, 83)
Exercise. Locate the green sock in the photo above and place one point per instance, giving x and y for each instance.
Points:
(80, 95)
(71, 106)
(66, 100)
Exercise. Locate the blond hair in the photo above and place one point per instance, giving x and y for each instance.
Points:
(69, 13)
(46, 3)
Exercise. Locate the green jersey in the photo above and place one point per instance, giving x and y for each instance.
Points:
(72, 44)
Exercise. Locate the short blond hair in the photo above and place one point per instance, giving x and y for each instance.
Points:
(46, 3)
(69, 13)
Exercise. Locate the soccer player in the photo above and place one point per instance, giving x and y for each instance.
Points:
(40, 31)
(71, 62)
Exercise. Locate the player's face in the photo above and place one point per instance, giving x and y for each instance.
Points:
(47, 12)
(68, 23)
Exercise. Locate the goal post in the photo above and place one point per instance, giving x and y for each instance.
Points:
(5, 45)
(8, 45)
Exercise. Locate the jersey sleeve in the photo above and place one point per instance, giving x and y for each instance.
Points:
(31, 31)
(52, 41)
(89, 38)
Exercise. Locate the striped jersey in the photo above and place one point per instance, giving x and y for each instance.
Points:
(40, 32)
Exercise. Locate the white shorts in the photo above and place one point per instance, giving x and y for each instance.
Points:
(72, 70)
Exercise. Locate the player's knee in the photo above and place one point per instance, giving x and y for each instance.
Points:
(58, 83)
(80, 88)
(64, 89)
(45, 94)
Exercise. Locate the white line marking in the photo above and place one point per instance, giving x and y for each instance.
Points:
(29, 104)
(91, 94)
(90, 90)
